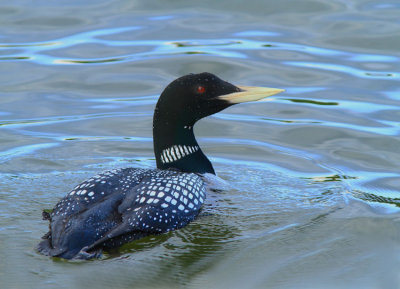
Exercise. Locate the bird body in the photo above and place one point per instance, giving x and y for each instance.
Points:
(118, 206)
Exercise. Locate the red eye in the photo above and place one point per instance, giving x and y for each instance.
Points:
(201, 89)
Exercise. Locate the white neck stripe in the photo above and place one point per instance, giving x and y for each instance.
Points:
(177, 152)
(169, 158)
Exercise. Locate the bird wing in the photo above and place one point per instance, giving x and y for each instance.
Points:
(156, 205)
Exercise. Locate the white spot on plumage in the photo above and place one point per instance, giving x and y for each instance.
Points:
(91, 194)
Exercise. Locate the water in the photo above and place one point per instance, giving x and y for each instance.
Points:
(314, 172)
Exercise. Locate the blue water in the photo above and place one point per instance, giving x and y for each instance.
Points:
(314, 172)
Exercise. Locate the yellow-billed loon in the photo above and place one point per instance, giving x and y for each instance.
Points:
(121, 205)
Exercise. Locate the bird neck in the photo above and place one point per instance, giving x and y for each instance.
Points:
(175, 146)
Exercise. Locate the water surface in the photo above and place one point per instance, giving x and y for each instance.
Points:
(314, 171)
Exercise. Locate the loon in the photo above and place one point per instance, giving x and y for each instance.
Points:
(122, 205)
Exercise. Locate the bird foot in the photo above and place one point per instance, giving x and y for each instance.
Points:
(85, 255)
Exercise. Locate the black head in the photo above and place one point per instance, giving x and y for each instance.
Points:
(195, 96)
(183, 102)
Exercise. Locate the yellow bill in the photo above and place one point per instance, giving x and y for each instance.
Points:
(250, 93)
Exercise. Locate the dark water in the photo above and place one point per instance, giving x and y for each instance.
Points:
(315, 172)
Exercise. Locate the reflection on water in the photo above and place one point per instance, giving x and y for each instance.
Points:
(230, 48)
(314, 102)
(314, 172)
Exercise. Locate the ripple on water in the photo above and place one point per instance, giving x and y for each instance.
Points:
(306, 168)
(229, 48)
